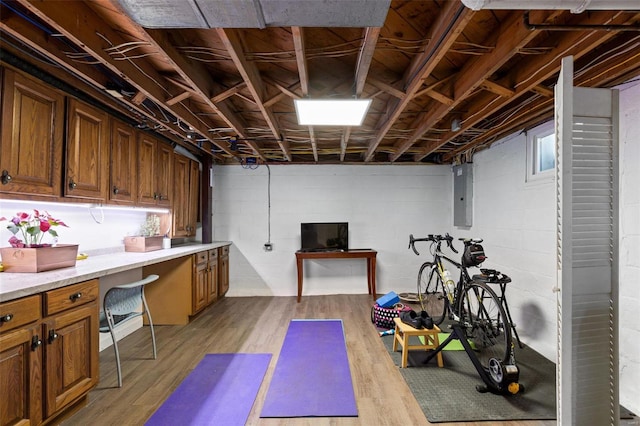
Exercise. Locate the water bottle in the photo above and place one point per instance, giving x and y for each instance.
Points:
(449, 284)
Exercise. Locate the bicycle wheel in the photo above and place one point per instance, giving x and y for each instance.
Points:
(431, 293)
(485, 323)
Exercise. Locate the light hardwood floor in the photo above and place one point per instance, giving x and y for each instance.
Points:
(254, 325)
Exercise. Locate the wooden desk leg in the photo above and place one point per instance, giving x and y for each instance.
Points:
(300, 274)
(373, 277)
(369, 275)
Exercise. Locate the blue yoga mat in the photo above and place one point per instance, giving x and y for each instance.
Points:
(220, 390)
(312, 377)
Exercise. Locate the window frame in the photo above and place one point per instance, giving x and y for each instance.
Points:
(533, 135)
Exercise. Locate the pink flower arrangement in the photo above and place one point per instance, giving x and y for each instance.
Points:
(32, 227)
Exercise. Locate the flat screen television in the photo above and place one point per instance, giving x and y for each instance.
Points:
(325, 236)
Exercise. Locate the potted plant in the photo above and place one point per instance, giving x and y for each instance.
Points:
(31, 253)
(149, 238)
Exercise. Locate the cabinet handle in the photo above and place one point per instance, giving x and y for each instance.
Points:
(6, 318)
(116, 190)
(6, 177)
(155, 195)
(52, 336)
(72, 184)
(35, 342)
(75, 296)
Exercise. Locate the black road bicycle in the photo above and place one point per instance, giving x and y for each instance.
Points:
(471, 305)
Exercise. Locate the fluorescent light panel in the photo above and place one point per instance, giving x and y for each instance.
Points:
(331, 112)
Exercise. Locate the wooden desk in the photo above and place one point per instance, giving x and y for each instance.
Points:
(370, 255)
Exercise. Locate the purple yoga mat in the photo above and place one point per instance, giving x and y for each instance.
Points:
(220, 391)
(312, 377)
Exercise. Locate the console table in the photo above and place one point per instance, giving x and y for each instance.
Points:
(370, 255)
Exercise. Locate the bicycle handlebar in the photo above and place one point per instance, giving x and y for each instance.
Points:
(433, 238)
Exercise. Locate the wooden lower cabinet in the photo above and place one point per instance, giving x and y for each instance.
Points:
(186, 286)
(48, 353)
(71, 366)
(223, 270)
(20, 377)
(200, 281)
(212, 276)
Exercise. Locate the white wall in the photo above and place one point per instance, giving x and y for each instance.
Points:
(383, 205)
(630, 247)
(94, 228)
(516, 219)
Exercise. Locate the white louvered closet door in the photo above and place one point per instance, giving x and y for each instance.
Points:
(587, 243)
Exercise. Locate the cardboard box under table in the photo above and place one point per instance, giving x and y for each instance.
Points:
(403, 333)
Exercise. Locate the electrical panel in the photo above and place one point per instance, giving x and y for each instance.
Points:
(463, 195)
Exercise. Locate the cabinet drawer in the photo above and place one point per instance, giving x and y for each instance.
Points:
(224, 251)
(16, 313)
(213, 255)
(71, 296)
(201, 257)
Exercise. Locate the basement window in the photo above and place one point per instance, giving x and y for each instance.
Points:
(541, 155)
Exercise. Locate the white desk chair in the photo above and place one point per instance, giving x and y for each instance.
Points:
(122, 303)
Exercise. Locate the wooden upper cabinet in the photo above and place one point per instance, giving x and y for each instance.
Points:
(32, 137)
(155, 168)
(194, 196)
(123, 176)
(186, 178)
(165, 174)
(87, 152)
(180, 195)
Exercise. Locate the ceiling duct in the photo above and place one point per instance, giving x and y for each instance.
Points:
(256, 13)
(575, 6)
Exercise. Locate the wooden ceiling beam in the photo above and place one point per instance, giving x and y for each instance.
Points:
(70, 71)
(84, 28)
(228, 93)
(181, 97)
(543, 90)
(363, 64)
(497, 89)
(535, 70)
(609, 69)
(250, 74)
(387, 88)
(433, 86)
(509, 39)
(451, 21)
(365, 56)
(443, 99)
(195, 76)
(303, 73)
(283, 95)
(138, 98)
(301, 59)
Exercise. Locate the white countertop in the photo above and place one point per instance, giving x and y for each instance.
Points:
(16, 285)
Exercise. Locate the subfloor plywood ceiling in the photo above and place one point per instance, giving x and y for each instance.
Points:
(220, 77)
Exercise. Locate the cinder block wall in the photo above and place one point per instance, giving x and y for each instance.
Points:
(383, 205)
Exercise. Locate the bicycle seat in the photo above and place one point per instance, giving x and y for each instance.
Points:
(491, 276)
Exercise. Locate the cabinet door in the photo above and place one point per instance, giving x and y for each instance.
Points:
(71, 356)
(147, 161)
(212, 284)
(122, 173)
(181, 172)
(87, 153)
(164, 183)
(20, 376)
(223, 270)
(32, 135)
(194, 197)
(200, 287)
